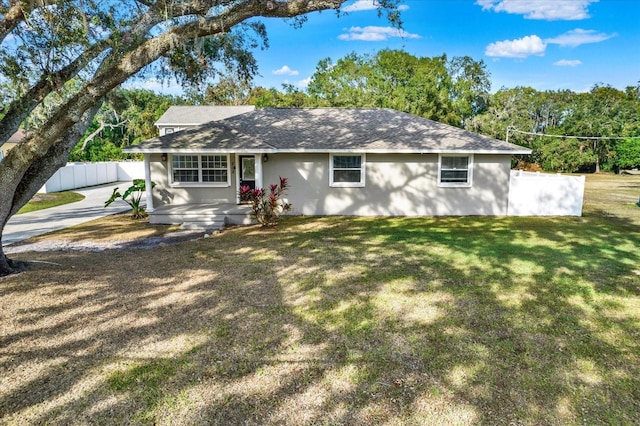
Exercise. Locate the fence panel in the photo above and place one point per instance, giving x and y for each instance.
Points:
(80, 175)
(541, 194)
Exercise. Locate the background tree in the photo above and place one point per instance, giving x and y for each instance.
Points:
(126, 117)
(450, 91)
(228, 91)
(601, 113)
(598, 113)
(628, 154)
(103, 44)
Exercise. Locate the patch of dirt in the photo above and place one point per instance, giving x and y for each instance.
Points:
(43, 197)
(62, 244)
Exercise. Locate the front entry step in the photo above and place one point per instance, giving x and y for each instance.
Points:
(204, 225)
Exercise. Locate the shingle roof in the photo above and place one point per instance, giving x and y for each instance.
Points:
(183, 115)
(326, 130)
(17, 137)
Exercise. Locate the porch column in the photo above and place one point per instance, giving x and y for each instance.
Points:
(147, 182)
(259, 171)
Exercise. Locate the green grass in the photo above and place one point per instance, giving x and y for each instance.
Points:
(471, 320)
(613, 196)
(46, 201)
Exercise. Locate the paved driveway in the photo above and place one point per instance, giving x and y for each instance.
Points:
(27, 225)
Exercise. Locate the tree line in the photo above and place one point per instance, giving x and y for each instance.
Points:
(603, 124)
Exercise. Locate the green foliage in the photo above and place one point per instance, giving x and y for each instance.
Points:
(449, 91)
(565, 155)
(603, 112)
(628, 154)
(125, 118)
(131, 196)
(226, 91)
(97, 150)
(289, 97)
(267, 207)
(191, 61)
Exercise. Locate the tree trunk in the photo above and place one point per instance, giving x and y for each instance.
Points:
(28, 165)
(40, 170)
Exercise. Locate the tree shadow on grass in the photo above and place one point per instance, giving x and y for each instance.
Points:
(335, 320)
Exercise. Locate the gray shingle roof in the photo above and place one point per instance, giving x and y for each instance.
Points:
(184, 115)
(326, 130)
(17, 137)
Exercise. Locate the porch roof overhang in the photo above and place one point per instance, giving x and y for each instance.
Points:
(323, 151)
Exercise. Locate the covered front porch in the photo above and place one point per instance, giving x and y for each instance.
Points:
(202, 216)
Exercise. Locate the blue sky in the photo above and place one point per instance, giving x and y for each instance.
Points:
(544, 44)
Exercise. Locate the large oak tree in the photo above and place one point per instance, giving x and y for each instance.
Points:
(61, 58)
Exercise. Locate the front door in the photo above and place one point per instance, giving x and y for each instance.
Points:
(248, 171)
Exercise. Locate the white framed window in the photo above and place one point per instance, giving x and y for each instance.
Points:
(215, 168)
(455, 170)
(200, 170)
(346, 170)
(168, 130)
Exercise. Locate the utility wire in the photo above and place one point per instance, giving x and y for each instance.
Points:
(513, 129)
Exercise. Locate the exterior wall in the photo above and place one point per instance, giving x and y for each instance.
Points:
(5, 147)
(164, 193)
(395, 185)
(163, 129)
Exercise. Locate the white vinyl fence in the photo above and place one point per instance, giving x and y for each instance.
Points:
(542, 194)
(80, 175)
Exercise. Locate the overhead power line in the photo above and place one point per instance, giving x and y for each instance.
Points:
(514, 130)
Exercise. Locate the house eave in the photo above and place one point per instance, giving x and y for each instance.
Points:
(133, 150)
(183, 124)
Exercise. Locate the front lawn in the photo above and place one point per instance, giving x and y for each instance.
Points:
(45, 201)
(334, 321)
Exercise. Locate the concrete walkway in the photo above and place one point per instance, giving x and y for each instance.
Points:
(27, 225)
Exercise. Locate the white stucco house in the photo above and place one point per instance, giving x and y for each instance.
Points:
(365, 162)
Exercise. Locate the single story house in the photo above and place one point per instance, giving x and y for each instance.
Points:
(356, 161)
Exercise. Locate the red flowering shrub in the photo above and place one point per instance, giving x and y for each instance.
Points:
(267, 207)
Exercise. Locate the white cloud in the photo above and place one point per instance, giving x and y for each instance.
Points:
(361, 5)
(285, 70)
(373, 33)
(579, 36)
(534, 45)
(550, 10)
(567, 63)
(519, 48)
(303, 84)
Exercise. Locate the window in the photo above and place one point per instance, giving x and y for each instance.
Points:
(214, 168)
(185, 168)
(210, 170)
(168, 130)
(455, 170)
(346, 170)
